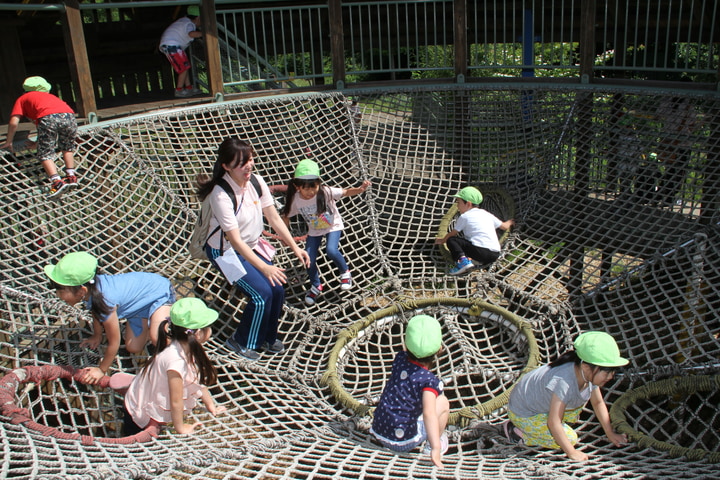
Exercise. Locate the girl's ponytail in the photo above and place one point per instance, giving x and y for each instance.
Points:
(203, 366)
(98, 306)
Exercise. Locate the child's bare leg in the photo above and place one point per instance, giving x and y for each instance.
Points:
(50, 168)
(182, 80)
(135, 344)
(156, 319)
(69, 159)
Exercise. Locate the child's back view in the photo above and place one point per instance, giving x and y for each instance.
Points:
(412, 406)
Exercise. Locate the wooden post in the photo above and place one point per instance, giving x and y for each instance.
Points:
(78, 59)
(212, 49)
(13, 70)
(587, 40)
(337, 41)
(460, 35)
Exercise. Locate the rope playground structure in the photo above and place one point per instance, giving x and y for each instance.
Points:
(615, 198)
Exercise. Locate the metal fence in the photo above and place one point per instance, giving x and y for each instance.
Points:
(666, 39)
(274, 43)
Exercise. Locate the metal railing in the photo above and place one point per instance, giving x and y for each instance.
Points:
(273, 44)
(632, 39)
(339, 42)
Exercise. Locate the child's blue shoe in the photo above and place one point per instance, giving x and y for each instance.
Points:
(463, 265)
(313, 294)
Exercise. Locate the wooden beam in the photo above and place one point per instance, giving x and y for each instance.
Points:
(587, 40)
(337, 42)
(13, 71)
(212, 49)
(461, 45)
(78, 59)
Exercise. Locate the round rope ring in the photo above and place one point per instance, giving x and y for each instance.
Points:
(10, 383)
(496, 200)
(676, 392)
(485, 350)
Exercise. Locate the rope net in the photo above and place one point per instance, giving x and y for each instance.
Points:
(615, 197)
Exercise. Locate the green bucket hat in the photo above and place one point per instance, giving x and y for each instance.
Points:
(192, 313)
(423, 336)
(36, 84)
(600, 349)
(307, 170)
(193, 11)
(73, 270)
(470, 194)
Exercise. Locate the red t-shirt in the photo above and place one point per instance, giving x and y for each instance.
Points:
(35, 105)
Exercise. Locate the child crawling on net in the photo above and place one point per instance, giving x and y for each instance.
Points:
(547, 399)
(143, 299)
(412, 407)
(172, 381)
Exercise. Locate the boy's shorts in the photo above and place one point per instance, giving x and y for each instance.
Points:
(177, 57)
(56, 131)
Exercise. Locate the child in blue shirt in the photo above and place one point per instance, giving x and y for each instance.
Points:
(412, 407)
(142, 299)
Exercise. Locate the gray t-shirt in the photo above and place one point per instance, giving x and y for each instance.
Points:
(532, 395)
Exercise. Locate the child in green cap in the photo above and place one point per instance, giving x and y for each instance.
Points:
(546, 399)
(479, 241)
(142, 298)
(56, 129)
(317, 203)
(412, 407)
(177, 375)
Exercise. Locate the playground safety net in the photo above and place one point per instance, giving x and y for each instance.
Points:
(615, 197)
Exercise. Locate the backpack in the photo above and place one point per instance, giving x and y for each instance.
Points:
(201, 233)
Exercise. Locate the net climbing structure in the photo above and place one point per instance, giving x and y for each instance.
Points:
(615, 197)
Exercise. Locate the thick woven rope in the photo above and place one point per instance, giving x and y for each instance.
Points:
(616, 230)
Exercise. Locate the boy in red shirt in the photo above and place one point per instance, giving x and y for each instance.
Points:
(56, 129)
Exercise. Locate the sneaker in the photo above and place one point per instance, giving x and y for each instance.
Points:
(463, 265)
(276, 347)
(182, 93)
(71, 181)
(56, 187)
(232, 345)
(444, 444)
(193, 91)
(511, 433)
(313, 294)
(346, 281)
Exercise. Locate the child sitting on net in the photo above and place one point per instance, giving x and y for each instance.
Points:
(142, 298)
(173, 379)
(546, 399)
(479, 241)
(317, 203)
(412, 407)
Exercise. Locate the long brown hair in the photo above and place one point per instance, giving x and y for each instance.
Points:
(232, 152)
(321, 198)
(200, 362)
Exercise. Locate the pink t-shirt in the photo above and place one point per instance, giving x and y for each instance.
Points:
(35, 105)
(149, 394)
